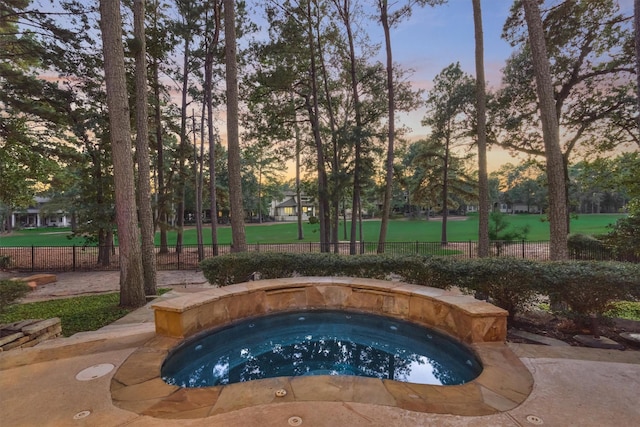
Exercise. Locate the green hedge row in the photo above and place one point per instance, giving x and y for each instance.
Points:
(587, 287)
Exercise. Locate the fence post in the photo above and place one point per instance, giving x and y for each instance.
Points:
(523, 253)
(178, 253)
(73, 267)
(470, 249)
(33, 257)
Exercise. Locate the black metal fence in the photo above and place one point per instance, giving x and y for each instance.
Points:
(87, 258)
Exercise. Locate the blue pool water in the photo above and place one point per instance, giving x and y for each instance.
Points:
(320, 343)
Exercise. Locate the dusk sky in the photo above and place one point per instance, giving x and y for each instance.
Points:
(434, 37)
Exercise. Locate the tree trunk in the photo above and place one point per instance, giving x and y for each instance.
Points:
(296, 130)
(260, 194)
(323, 204)
(208, 88)
(551, 133)
(163, 219)
(344, 219)
(233, 140)
(142, 153)
(360, 227)
(197, 172)
(345, 12)
(313, 110)
(104, 248)
(481, 101)
(162, 208)
(636, 22)
(183, 147)
(9, 223)
(131, 285)
(334, 203)
(445, 194)
(104, 244)
(213, 203)
(388, 189)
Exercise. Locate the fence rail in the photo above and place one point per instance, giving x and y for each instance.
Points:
(86, 258)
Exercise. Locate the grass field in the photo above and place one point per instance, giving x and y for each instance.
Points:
(77, 314)
(458, 229)
(86, 313)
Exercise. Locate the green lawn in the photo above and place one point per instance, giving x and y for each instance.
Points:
(399, 231)
(40, 237)
(79, 314)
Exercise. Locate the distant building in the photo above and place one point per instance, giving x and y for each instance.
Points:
(524, 208)
(286, 209)
(514, 208)
(34, 216)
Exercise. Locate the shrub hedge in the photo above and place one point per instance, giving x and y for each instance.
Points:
(510, 283)
(582, 246)
(588, 287)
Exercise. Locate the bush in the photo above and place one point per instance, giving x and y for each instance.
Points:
(232, 268)
(5, 260)
(587, 247)
(442, 272)
(589, 287)
(498, 229)
(239, 267)
(509, 283)
(625, 310)
(10, 292)
(625, 238)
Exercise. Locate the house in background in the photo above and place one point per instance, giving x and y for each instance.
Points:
(524, 208)
(514, 208)
(34, 216)
(286, 209)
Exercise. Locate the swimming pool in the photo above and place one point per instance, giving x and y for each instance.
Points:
(503, 384)
(321, 342)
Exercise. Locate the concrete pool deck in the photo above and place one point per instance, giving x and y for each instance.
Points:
(38, 387)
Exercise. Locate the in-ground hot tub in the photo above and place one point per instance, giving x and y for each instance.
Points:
(502, 385)
(320, 342)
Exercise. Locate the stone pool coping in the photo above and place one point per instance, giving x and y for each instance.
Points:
(461, 316)
(503, 384)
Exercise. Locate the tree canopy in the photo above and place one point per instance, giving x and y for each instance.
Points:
(314, 89)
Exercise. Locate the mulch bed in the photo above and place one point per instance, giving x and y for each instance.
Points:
(564, 329)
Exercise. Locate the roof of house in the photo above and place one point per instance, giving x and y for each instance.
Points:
(292, 202)
(287, 203)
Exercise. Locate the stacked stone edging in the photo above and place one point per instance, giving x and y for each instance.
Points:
(462, 316)
(27, 333)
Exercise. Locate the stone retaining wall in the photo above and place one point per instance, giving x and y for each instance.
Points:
(461, 316)
(27, 333)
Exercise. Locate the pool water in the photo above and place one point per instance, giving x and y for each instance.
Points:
(324, 342)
